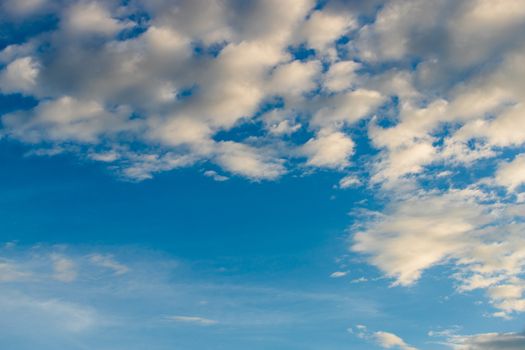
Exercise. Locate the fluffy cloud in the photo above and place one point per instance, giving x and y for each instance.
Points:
(19, 76)
(467, 228)
(329, 150)
(391, 341)
(265, 88)
(512, 174)
(385, 340)
(196, 69)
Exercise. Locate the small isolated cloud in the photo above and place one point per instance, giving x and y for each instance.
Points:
(386, 340)
(359, 280)
(338, 274)
(200, 321)
(391, 341)
(349, 181)
(215, 176)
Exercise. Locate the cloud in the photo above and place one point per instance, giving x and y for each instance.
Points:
(108, 262)
(329, 150)
(338, 274)
(391, 341)
(91, 17)
(192, 320)
(386, 340)
(247, 161)
(153, 300)
(349, 181)
(482, 341)
(64, 268)
(10, 272)
(267, 88)
(22, 8)
(512, 174)
(196, 70)
(19, 76)
(466, 228)
(216, 176)
(166, 89)
(53, 315)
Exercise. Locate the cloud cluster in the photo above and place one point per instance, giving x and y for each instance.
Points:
(482, 341)
(480, 236)
(157, 79)
(122, 297)
(425, 98)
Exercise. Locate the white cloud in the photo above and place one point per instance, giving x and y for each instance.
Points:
(347, 108)
(192, 320)
(512, 174)
(247, 161)
(329, 150)
(391, 341)
(217, 81)
(481, 238)
(341, 76)
(349, 181)
(385, 340)
(338, 274)
(66, 119)
(323, 28)
(91, 17)
(216, 176)
(19, 76)
(294, 78)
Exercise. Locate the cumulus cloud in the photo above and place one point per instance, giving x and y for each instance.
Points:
(197, 69)
(464, 227)
(19, 76)
(329, 150)
(391, 341)
(194, 69)
(385, 340)
(270, 88)
(512, 174)
(91, 17)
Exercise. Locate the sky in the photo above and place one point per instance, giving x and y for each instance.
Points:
(262, 174)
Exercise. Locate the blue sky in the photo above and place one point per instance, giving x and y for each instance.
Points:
(262, 174)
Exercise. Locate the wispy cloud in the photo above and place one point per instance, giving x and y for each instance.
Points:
(108, 262)
(192, 320)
